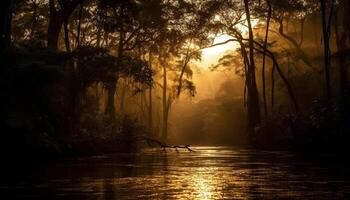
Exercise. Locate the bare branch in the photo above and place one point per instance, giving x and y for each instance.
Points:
(163, 145)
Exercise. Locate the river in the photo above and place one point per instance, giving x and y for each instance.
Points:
(207, 173)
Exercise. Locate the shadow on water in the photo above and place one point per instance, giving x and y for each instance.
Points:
(207, 173)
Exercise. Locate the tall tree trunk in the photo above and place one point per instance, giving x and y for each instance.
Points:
(183, 68)
(273, 87)
(56, 20)
(342, 30)
(122, 98)
(264, 55)
(150, 110)
(260, 48)
(150, 99)
(111, 90)
(72, 112)
(34, 20)
(284, 79)
(79, 24)
(165, 115)
(5, 24)
(253, 98)
(53, 33)
(54, 27)
(97, 95)
(326, 53)
(66, 36)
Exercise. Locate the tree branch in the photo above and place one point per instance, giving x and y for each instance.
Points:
(301, 53)
(163, 145)
(285, 80)
(131, 36)
(271, 55)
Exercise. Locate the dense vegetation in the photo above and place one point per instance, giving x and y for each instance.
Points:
(82, 76)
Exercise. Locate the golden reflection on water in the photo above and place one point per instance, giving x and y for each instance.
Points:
(204, 182)
(203, 185)
(208, 173)
(197, 178)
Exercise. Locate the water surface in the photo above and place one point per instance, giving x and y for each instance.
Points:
(207, 173)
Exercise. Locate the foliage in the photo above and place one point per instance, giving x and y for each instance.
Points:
(97, 65)
(229, 61)
(64, 59)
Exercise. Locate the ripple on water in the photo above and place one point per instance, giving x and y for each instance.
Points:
(207, 173)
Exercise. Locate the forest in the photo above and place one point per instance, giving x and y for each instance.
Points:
(174, 99)
(95, 76)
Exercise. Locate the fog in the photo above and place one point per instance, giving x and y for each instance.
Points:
(103, 74)
(215, 115)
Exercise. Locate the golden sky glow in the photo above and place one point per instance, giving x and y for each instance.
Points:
(211, 55)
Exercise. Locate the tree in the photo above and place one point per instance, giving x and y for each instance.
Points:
(5, 24)
(342, 30)
(133, 30)
(283, 12)
(56, 19)
(229, 24)
(269, 13)
(253, 98)
(326, 54)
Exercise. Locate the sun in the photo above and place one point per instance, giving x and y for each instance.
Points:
(220, 49)
(211, 55)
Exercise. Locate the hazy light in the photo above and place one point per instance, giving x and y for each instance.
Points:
(211, 55)
(216, 50)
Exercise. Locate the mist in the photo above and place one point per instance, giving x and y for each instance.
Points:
(215, 115)
(174, 99)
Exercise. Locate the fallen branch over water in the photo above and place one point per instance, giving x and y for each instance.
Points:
(163, 145)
